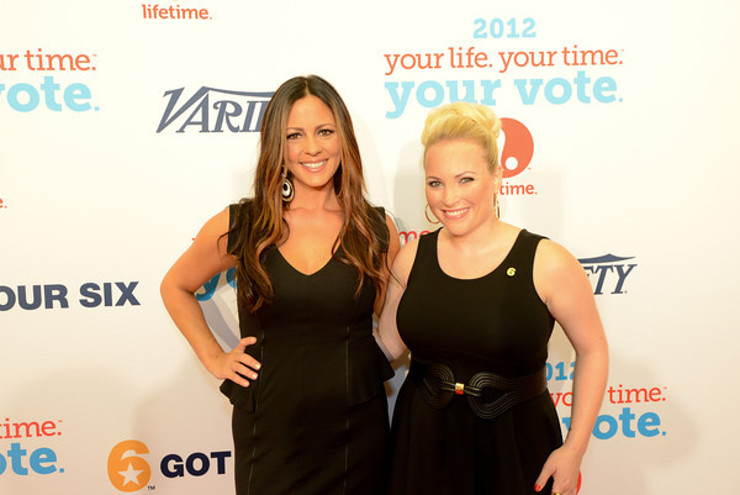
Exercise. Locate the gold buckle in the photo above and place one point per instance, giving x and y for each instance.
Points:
(459, 388)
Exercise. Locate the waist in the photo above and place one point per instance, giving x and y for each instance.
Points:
(315, 335)
(488, 395)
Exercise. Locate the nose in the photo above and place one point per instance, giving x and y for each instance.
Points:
(312, 145)
(450, 196)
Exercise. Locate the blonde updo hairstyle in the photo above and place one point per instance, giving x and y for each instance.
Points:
(466, 121)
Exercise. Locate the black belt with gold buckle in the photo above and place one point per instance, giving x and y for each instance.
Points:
(437, 385)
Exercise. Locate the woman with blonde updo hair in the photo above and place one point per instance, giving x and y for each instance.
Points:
(475, 302)
(468, 122)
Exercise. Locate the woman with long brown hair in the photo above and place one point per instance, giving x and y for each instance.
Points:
(306, 379)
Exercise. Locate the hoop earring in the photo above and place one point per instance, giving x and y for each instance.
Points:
(426, 208)
(496, 206)
(287, 193)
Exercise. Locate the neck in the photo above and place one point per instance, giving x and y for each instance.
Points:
(310, 198)
(482, 237)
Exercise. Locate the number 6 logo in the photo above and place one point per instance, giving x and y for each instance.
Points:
(127, 471)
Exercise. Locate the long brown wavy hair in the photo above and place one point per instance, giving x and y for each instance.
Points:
(260, 223)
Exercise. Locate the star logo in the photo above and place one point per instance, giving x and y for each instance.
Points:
(131, 475)
(128, 469)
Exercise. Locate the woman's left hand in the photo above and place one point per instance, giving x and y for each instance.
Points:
(563, 467)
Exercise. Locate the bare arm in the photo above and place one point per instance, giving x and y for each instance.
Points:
(563, 285)
(205, 257)
(389, 339)
(393, 247)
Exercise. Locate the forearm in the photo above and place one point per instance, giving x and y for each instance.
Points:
(187, 315)
(386, 334)
(589, 383)
(390, 343)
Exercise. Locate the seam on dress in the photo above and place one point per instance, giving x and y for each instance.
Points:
(254, 424)
(346, 413)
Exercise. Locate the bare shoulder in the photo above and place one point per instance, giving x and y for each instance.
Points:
(551, 257)
(390, 222)
(405, 261)
(210, 244)
(556, 270)
(219, 223)
(213, 232)
(393, 242)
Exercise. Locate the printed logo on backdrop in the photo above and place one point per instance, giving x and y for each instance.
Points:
(608, 273)
(214, 110)
(206, 292)
(59, 296)
(39, 79)
(574, 72)
(17, 459)
(629, 411)
(174, 11)
(129, 469)
(517, 150)
(3, 204)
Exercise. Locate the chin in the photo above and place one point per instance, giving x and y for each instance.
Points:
(455, 228)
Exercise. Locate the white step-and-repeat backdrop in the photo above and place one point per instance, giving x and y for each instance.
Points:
(125, 125)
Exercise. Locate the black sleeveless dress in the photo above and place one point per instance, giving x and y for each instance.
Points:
(497, 324)
(316, 419)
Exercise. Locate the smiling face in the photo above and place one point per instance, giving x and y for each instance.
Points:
(312, 145)
(460, 187)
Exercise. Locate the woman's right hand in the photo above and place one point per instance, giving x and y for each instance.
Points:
(236, 365)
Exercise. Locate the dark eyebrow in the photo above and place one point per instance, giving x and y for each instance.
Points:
(318, 126)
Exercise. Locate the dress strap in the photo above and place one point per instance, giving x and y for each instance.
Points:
(239, 219)
(425, 263)
(380, 228)
(521, 256)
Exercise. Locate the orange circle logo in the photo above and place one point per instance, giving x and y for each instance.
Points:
(518, 147)
(126, 470)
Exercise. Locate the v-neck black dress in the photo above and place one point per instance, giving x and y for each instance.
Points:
(497, 324)
(316, 419)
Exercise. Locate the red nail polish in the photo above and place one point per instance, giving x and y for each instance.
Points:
(537, 488)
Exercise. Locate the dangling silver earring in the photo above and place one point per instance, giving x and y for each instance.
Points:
(427, 210)
(286, 191)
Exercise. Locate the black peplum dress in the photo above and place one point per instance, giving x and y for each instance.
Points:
(316, 419)
(498, 324)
